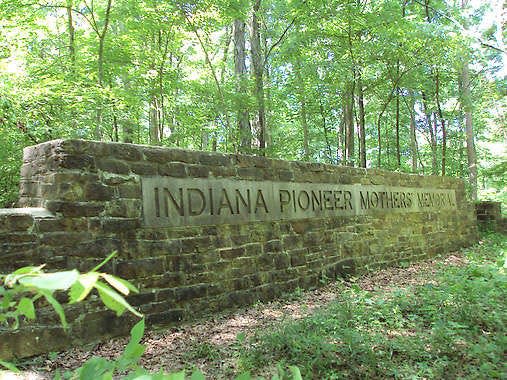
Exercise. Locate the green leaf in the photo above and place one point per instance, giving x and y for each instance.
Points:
(119, 284)
(176, 376)
(197, 375)
(83, 286)
(96, 368)
(244, 376)
(296, 373)
(26, 308)
(134, 350)
(56, 305)
(137, 332)
(28, 270)
(114, 301)
(51, 281)
(9, 366)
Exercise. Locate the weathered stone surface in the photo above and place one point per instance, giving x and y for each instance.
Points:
(189, 258)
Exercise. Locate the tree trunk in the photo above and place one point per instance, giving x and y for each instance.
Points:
(240, 71)
(71, 30)
(413, 136)
(471, 152)
(326, 132)
(430, 124)
(154, 122)
(433, 136)
(466, 100)
(398, 150)
(100, 68)
(302, 110)
(348, 117)
(362, 124)
(442, 121)
(258, 71)
(398, 153)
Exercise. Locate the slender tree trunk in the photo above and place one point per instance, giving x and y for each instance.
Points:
(326, 132)
(442, 122)
(466, 100)
(413, 136)
(258, 71)
(100, 68)
(302, 110)
(240, 71)
(154, 122)
(348, 118)
(433, 136)
(116, 137)
(304, 123)
(267, 91)
(362, 124)
(71, 30)
(379, 120)
(340, 141)
(469, 131)
(398, 150)
(227, 42)
(432, 132)
(379, 142)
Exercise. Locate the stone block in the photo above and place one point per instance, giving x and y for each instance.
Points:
(231, 253)
(198, 171)
(173, 169)
(127, 152)
(72, 161)
(20, 222)
(213, 159)
(120, 225)
(143, 168)
(113, 166)
(74, 209)
(140, 267)
(187, 293)
(130, 190)
(166, 317)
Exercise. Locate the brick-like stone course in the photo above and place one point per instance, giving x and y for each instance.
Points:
(93, 193)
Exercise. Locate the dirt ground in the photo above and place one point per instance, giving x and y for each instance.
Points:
(212, 345)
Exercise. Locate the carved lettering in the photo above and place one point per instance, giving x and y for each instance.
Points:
(246, 203)
(224, 203)
(260, 202)
(195, 199)
(178, 202)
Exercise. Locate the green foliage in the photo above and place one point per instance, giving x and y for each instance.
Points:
(164, 73)
(21, 290)
(452, 329)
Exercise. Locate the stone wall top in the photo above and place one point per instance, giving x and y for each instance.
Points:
(118, 158)
(59, 173)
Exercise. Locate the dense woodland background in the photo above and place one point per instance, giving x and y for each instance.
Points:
(411, 85)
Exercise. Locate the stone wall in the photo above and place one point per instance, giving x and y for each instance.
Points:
(489, 216)
(200, 232)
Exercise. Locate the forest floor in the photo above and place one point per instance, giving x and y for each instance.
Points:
(215, 345)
